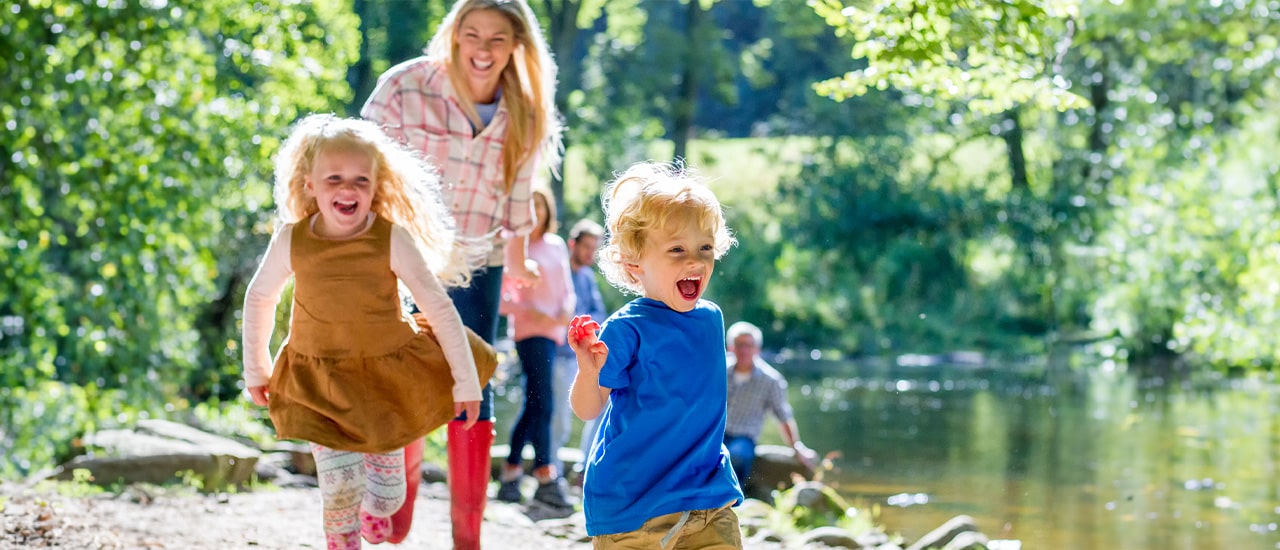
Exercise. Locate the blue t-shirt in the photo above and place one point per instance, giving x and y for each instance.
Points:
(660, 447)
(487, 110)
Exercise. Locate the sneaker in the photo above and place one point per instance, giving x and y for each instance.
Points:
(551, 493)
(342, 541)
(375, 530)
(509, 491)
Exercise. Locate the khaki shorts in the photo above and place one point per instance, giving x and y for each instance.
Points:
(715, 529)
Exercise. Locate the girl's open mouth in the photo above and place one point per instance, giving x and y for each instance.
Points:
(346, 207)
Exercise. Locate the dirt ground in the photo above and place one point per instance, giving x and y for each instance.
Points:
(264, 519)
(272, 519)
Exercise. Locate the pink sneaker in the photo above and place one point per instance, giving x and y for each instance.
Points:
(376, 530)
(343, 541)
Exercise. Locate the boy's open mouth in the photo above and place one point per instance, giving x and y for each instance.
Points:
(346, 207)
(689, 287)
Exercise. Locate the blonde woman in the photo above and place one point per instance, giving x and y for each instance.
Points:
(480, 106)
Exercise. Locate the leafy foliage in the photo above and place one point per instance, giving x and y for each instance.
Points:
(875, 258)
(1117, 210)
(133, 168)
(1189, 97)
(990, 55)
(995, 175)
(47, 418)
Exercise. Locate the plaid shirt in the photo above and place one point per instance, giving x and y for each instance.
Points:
(766, 390)
(415, 103)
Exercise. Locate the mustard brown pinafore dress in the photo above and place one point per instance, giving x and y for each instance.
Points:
(356, 374)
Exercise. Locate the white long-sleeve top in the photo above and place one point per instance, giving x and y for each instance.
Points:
(407, 264)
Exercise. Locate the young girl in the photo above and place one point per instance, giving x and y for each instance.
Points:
(480, 105)
(356, 377)
(658, 475)
(538, 316)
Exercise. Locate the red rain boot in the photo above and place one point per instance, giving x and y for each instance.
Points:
(468, 480)
(402, 520)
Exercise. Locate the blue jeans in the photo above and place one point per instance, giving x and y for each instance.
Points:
(537, 356)
(478, 306)
(742, 453)
(566, 369)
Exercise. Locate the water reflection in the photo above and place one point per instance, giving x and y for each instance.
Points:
(1089, 462)
(1085, 462)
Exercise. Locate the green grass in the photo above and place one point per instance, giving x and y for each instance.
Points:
(741, 171)
(745, 171)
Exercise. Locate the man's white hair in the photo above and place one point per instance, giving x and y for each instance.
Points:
(742, 327)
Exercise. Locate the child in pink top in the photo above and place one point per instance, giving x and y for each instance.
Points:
(537, 316)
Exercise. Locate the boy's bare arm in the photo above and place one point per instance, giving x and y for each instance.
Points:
(587, 397)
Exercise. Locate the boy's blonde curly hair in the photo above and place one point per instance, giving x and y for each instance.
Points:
(407, 191)
(648, 197)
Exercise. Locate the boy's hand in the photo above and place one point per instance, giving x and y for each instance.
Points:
(583, 341)
(259, 395)
(472, 408)
(587, 397)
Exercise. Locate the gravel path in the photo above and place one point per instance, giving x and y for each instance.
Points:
(272, 519)
(264, 519)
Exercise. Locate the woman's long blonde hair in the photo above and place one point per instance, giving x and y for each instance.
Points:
(528, 83)
(406, 192)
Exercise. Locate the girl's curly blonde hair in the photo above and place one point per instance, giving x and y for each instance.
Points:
(406, 193)
(651, 197)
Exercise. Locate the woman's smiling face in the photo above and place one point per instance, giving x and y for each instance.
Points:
(486, 40)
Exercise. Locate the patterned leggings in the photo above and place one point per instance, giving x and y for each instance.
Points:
(351, 482)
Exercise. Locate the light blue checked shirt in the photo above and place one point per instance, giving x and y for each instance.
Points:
(766, 390)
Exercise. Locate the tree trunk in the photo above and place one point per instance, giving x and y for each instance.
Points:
(1097, 138)
(1017, 156)
(406, 26)
(359, 74)
(562, 18)
(687, 95)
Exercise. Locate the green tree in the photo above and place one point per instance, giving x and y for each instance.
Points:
(992, 55)
(1189, 102)
(1117, 207)
(613, 115)
(565, 22)
(134, 173)
(390, 33)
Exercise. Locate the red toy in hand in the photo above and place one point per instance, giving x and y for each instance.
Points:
(582, 326)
